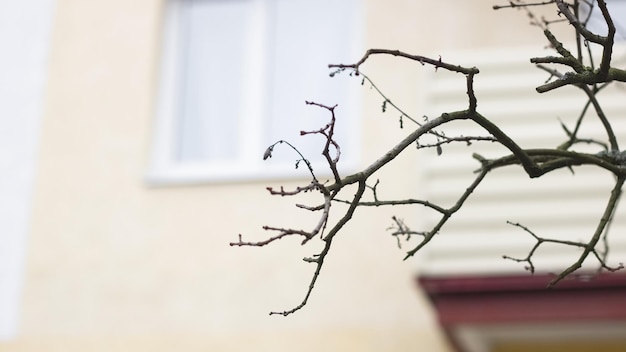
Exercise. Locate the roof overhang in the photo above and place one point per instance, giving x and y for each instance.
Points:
(478, 312)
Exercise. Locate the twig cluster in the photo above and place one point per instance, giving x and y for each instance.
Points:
(535, 162)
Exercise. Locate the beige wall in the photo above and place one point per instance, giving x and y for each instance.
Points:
(114, 264)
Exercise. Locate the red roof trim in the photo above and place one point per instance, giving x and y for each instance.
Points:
(526, 298)
(537, 282)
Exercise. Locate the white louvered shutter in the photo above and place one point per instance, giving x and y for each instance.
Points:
(558, 205)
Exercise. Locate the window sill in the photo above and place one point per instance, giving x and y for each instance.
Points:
(205, 174)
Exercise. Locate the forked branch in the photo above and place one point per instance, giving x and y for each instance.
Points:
(535, 162)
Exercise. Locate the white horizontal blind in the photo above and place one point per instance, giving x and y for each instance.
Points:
(557, 205)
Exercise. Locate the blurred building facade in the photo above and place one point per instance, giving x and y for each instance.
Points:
(133, 135)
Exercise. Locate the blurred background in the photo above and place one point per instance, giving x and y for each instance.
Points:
(131, 143)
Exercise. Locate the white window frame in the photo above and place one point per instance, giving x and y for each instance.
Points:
(164, 169)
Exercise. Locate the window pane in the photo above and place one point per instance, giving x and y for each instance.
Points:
(617, 9)
(308, 35)
(213, 39)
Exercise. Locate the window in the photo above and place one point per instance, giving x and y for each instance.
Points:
(234, 78)
(597, 24)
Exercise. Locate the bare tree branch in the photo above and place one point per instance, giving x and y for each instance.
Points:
(535, 162)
